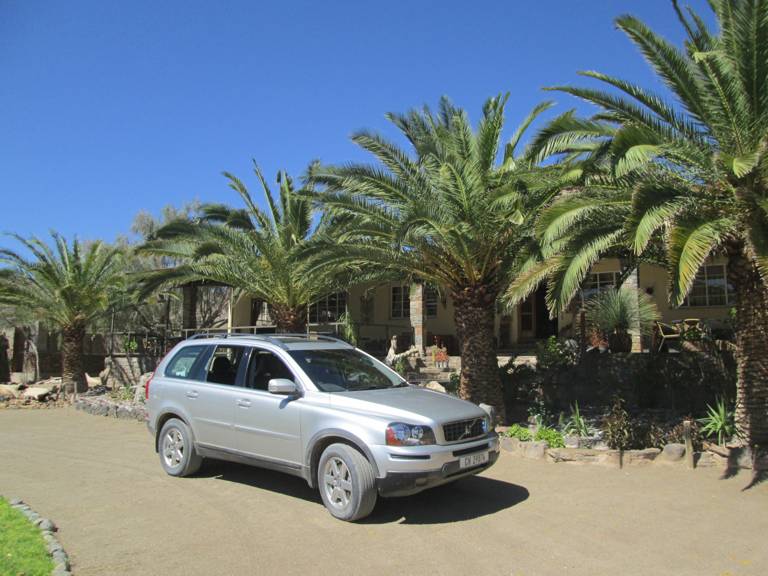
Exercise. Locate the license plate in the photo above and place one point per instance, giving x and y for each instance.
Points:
(473, 460)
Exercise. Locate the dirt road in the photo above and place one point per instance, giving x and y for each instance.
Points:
(118, 513)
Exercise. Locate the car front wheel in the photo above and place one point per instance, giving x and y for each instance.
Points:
(347, 482)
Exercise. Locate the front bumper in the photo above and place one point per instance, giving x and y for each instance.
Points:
(406, 476)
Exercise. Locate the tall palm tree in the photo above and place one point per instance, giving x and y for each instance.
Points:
(449, 213)
(67, 286)
(247, 248)
(693, 173)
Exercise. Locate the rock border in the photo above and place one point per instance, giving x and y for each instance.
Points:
(103, 406)
(61, 565)
(673, 454)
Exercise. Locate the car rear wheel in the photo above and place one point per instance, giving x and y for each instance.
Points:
(177, 450)
(347, 482)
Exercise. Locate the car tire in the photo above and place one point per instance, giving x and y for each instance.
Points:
(347, 482)
(176, 449)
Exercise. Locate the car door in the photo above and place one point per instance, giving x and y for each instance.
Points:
(268, 425)
(212, 397)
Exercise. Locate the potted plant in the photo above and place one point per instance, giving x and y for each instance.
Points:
(617, 313)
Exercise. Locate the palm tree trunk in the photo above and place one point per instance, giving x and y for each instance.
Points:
(72, 359)
(289, 320)
(751, 347)
(480, 381)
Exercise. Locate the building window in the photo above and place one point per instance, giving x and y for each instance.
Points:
(260, 315)
(401, 301)
(430, 301)
(598, 282)
(328, 309)
(710, 288)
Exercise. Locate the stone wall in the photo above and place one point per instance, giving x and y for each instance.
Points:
(126, 370)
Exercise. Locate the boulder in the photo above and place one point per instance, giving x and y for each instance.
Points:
(672, 453)
(576, 455)
(640, 457)
(92, 381)
(572, 441)
(534, 450)
(436, 386)
(36, 393)
(510, 444)
(8, 391)
(21, 378)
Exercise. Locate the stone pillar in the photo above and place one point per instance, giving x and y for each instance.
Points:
(417, 318)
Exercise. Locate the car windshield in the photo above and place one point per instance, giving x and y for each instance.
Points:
(345, 371)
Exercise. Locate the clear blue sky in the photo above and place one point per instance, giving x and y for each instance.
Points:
(108, 108)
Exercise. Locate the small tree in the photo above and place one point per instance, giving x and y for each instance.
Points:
(66, 286)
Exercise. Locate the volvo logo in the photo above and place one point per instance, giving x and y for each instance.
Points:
(468, 429)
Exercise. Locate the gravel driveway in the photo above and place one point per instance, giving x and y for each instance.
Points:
(118, 513)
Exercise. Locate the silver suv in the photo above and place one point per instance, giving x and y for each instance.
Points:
(315, 407)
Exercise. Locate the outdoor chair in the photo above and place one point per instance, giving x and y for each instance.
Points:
(666, 333)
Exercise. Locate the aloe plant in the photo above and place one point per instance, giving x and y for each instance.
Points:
(719, 421)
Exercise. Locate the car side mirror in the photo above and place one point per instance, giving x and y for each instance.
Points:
(282, 386)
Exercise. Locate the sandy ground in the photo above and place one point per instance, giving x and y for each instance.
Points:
(118, 513)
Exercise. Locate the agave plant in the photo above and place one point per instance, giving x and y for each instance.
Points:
(719, 422)
(67, 286)
(616, 313)
(691, 175)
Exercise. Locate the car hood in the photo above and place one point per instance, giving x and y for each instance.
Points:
(413, 405)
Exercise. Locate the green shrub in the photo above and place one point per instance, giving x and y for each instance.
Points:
(452, 386)
(517, 431)
(552, 437)
(554, 354)
(541, 414)
(619, 433)
(575, 424)
(401, 366)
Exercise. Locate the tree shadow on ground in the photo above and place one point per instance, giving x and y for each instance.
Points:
(735, 465)
(464, 499)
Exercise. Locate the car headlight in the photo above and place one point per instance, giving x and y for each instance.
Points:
(400, 434)
(486, 424)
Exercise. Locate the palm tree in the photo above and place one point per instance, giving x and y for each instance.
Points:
(248, 249)
(67, 286)
(693, 175)
(449, 214)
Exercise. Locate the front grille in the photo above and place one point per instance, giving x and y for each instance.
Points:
(463, 430)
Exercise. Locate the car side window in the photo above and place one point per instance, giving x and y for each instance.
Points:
(184, 363)
(263, 367)
(224, 365)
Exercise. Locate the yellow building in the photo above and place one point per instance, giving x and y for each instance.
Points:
(381, 311)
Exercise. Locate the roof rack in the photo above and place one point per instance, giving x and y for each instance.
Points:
(271, 338)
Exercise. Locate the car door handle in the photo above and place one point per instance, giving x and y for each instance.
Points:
(192, 394)
(244, 403)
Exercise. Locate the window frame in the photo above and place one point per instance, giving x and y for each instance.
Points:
(323, 305)
(239, 376)
(431, 298)
(254, 351)
(600, 286)
(405, 302)
(729, 292)
(198, 365)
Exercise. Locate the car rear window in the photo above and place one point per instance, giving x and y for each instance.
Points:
(185, 362)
